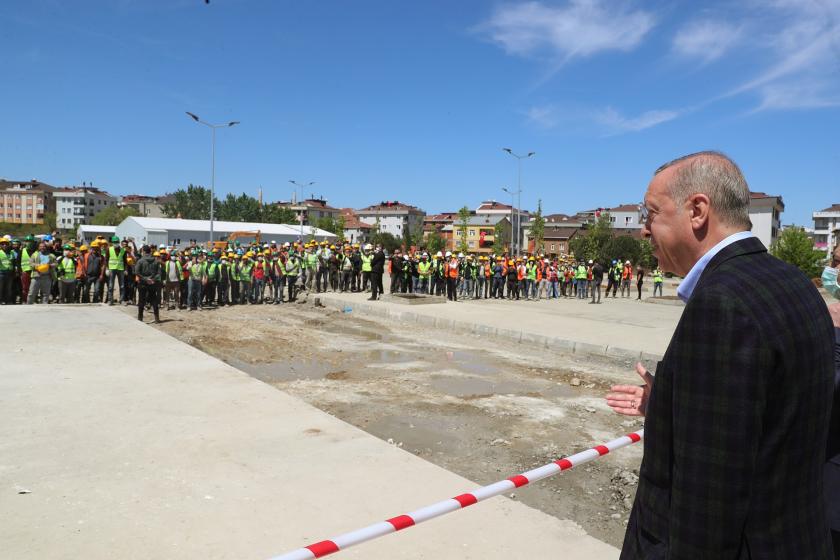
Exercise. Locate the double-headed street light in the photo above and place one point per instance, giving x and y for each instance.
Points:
(300, 186)
(518, 193)
(212, 127)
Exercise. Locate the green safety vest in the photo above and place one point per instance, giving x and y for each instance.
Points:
(617, 273)
(5, 261)
(177, 266)
(657, 277)
(366, 262)
(197, 271)
(581, 273)
(245, 272)
(311, 260)
(68, 265)
(531, 272)
(115, 260)
(25, 265)
(234, 273)
(292, 267)
(424, 268)
(211, 271)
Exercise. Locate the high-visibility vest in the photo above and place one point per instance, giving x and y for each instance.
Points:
(212, 271)
(292, 267)
(25, 265)
(487, 271)
(245, 272)
(178, 267)
(310, 260)
(452, 268)
(657, 277)
(424, 268)
(115, 259)
(366, 262)
(531, 271)
(5, 261)
(234, 273)
(197, 270)
(69, 267)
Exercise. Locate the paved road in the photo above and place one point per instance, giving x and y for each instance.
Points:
(623, 325)
(134, 445)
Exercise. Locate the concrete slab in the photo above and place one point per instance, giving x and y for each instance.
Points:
(621, 328)
(134, 445)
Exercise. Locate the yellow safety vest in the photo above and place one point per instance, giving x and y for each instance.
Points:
(115, 259)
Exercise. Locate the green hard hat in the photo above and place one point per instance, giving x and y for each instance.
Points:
(29, 237)
(115, 239)
(68, 247)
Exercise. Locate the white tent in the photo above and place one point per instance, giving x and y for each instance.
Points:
(179, 233)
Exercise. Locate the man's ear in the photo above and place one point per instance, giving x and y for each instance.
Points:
(699, 207)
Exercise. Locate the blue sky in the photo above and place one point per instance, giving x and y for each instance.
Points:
(383, 100)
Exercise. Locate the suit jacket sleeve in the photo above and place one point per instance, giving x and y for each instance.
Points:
(720, 389)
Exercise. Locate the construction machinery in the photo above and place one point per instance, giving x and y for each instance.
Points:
(222, 245)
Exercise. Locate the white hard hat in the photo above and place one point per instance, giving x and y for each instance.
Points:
(405, 257)
(628, 262)
(368, 246)
(449, 253)
(590, 261)
(286, 244)
(161, 246)
(425, 254)
(460, 255)
(439, 254)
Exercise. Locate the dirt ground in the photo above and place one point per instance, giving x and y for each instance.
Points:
(478, 407)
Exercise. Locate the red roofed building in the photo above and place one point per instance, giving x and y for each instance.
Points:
(394, 217)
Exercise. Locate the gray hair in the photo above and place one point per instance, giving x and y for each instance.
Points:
(716, 175)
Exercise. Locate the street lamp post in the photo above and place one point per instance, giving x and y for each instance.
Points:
(519, 159)
(212, 127)
(512, 208)
(300, 187)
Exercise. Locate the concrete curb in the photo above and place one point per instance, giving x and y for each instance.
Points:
(510, 335)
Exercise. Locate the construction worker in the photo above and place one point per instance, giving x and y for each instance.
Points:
(293, 269)
(522, 277)
(246, 275)
(43, 264)
(7, 271)
(640, 279)
(396, 271)
(377, 269)
(366, 258)
(148, 274)
(597, 278)
(214, 262)
(346, 270)
(116, 269)
(30, 247)
(356, 260)
(66, 275)
(451, 273)
(173, 274)
(258, 282)
(626, 277)
(616, 274)
(657, 281)
(499, 274)
(580, 280)
(198, 278)
(512, 280)
(310, 267)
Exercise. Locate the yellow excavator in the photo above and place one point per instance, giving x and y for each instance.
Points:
(222, 245)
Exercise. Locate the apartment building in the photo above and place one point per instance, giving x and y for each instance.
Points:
(78, 205)
(827, 228)
(25, 202)
(394, 217)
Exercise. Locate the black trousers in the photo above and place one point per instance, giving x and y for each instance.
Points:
(451, 293)
(376, 285)
(291, 282)
(148, 293)
(396, 282)
(6, 287)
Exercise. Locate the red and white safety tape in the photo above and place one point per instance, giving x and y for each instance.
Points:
(341, 542)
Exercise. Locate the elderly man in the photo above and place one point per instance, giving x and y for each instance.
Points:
(737, 419)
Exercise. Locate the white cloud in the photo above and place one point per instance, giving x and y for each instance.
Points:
(706, 39)
(544, 116)
(616, 123)
(580, 28)
(805, 57)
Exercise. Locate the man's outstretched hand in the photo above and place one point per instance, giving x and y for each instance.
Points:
(631, 400)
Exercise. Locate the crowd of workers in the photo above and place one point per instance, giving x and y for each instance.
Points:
(48, 270)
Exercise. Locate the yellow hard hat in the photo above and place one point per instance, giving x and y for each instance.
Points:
(332, 246)
(130, 260)
(83, 248)
(155, 254)
(510, 262)
(42, 268)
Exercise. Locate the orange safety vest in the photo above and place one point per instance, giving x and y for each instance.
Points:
(452, 271)
(487, 271)
(520, 272)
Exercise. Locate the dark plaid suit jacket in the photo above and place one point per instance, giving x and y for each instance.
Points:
(736, 425)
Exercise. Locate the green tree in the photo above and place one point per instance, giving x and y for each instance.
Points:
(387, 240)
(50, 220)
(113, 215)
(463, 224)
(326, 223)
(242, 208)
(795, 247)
(435, 242)
(500, 237)
(339, 227)
(274, 214)
(192, 203)
(591, 242)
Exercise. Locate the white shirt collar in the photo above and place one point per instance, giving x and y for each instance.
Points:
(686, 287)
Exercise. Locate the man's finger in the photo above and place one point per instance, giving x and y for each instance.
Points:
(630, 389)
(644, 374)
(626, 411)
